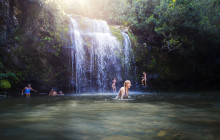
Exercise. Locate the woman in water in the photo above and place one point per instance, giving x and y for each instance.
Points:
(145, 78)
(27, 90)
(114, 85)
(124, 91)
(142, 81)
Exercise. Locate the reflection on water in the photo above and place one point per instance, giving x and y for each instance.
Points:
(88, 116)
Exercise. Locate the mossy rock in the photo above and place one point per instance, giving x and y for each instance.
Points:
(5, 84)
(117, 33)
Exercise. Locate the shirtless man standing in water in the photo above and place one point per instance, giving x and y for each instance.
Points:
(124, 91)
(52, 93)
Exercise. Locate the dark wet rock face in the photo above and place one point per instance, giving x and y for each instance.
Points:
(31, 43)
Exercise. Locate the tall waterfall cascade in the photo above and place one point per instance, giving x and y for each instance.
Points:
(96, 56)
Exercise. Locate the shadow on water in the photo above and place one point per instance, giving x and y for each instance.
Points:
(97, 116)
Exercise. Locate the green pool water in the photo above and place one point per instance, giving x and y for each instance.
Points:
(150, 116)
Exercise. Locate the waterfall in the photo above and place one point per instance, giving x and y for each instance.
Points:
(97, 56)
(127, 52)
(130, 69)
(79, 57)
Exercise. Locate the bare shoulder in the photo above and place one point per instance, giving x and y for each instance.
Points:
(122, 89)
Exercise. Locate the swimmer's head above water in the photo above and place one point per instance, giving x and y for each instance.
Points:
(127, 84)
(29, 85)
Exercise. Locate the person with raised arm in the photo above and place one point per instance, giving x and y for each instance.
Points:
(27, 90)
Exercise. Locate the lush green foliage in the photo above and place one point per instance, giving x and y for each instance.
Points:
(184, 37)
(33, 42)
(117, 33)
(5, 77)
(5, 84)
(177, 39)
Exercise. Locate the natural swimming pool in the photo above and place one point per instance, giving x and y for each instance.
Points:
(96, 116)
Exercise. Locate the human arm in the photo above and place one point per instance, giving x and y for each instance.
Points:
(22, 91)
(127, 94)
(122, 92)
(33, 90)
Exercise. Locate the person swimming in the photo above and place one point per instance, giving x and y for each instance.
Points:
(124, 91)
(114, 85)
(60, 93)
(52, 93)
(27, 90)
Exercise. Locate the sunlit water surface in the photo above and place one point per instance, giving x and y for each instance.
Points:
(155, 116)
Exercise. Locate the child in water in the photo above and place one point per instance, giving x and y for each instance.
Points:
(27, 90)
(61, 93)
(124, 91)
(114, 85)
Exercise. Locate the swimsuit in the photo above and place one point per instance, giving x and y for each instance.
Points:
(145, 76)
(27, 91)
(114, 82)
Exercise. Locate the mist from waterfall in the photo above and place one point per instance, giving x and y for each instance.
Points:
(97, 56)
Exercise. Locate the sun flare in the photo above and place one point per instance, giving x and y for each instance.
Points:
(80, 7)
(82, 3)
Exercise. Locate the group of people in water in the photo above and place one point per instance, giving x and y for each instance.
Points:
(123, 92)
(143, 81)
(54, 93)
(27, 91)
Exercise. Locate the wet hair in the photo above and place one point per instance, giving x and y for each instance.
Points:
(126, 83)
